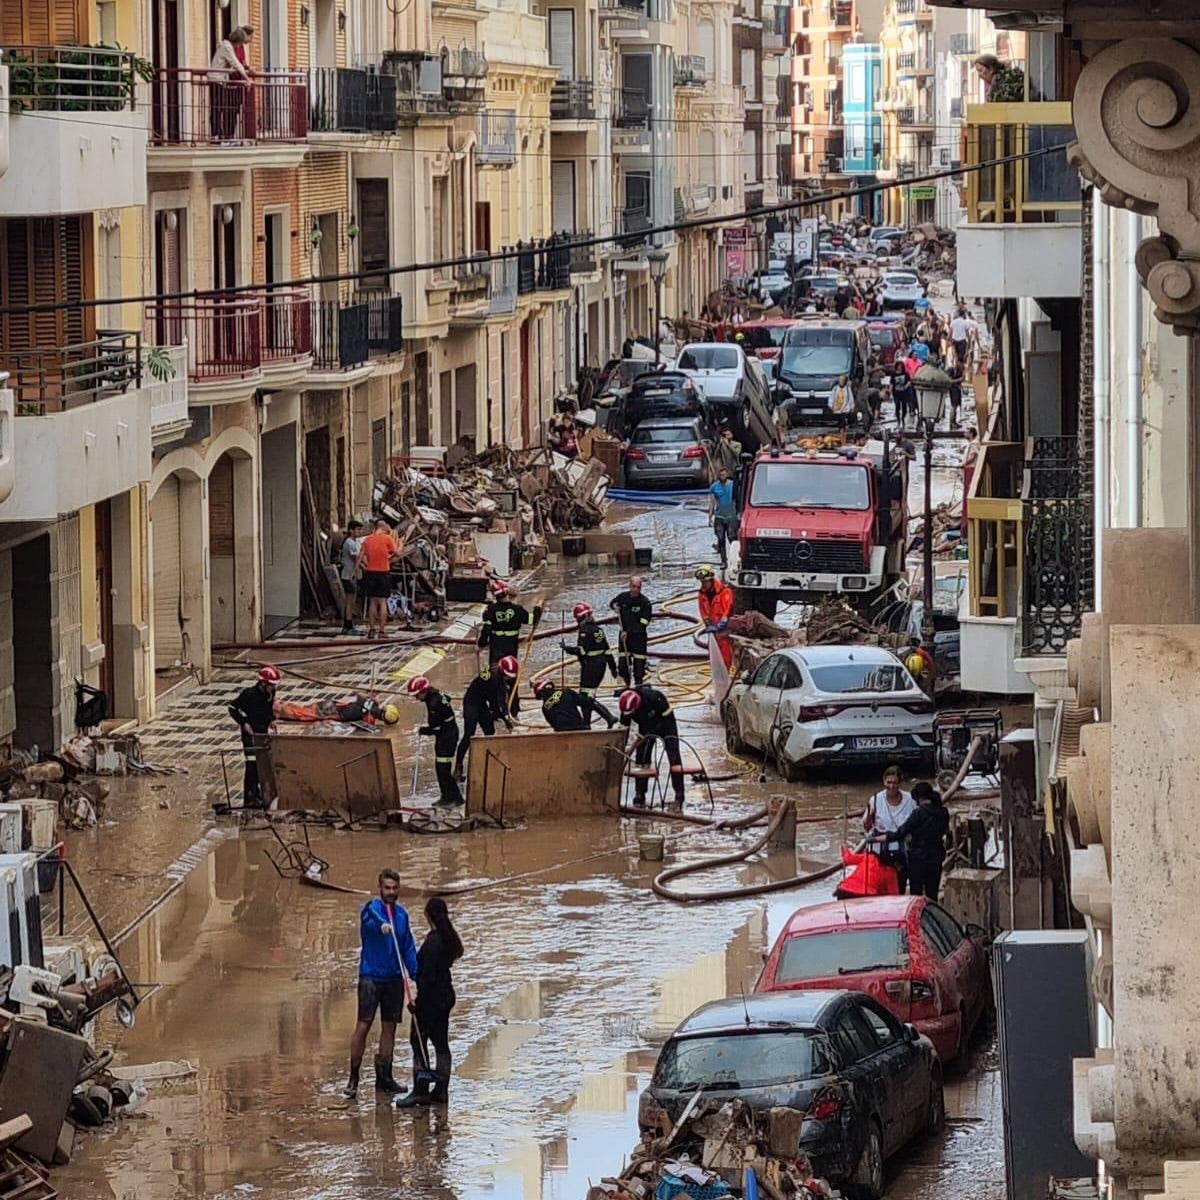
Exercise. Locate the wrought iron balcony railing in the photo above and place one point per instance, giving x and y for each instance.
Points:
(54, 378)
(385, 322)
(351, 100)
(200, 107)
(496, 139)
(286, 325)
(633, 110)
(339, 338)
(572, 100)
(690, 71)
(634, 223)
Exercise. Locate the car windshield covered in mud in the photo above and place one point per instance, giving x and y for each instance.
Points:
(746, 1058)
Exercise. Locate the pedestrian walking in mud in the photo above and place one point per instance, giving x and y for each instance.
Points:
(254, 711)
(440, 950)
(375, 562)
(388, 950)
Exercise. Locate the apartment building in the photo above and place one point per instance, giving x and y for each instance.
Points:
(92, 389)
(821, 30)
(861, 79)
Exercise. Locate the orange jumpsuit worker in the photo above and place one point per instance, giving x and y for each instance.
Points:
(716, 607)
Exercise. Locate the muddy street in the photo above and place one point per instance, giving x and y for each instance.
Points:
(574, 972)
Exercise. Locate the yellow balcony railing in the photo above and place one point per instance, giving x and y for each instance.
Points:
(1034, 190)
(995, 530)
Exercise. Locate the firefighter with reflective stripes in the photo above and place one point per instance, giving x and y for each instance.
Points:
(567, 710)
(593, 651)
(634, 611)
(503, 622)
(442, 726)
(484, 703)
(650, 710)
(254, 711)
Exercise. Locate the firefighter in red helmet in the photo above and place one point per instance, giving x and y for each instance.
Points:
(650, 710)
(592, 650)
(254, 711)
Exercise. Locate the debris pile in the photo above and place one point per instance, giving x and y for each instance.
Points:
(932, 250)
(720, 1150)
(47, 790)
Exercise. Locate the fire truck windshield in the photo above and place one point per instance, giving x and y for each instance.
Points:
(809, 485)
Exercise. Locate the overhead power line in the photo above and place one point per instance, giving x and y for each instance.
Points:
(635, 241)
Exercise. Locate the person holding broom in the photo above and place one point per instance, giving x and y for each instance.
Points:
(440, 950)
(388, 951)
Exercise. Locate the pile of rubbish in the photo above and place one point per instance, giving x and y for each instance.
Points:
(488, 514)
(52, 789)
(932, 250)
(720, 1150)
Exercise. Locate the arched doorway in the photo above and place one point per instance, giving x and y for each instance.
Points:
(178, 613)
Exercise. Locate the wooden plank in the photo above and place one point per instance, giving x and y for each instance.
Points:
(549, 774)
(351, 774)
(14, 1130)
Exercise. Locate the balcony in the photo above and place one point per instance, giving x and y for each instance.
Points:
(961, 44)
(1021, 236)
(502, 296)
(419, 90)
(385, 323)
(464, 78)
(626, 19)
(84, 414)
(631, 128)
(913, 10)
(544, 265)
(690, 71)
(634, 223)
(582, 257)
(201, 124)
(572, 100)
(68, 157)
(346, 100)
(3, 119)
(339, 338)
(165, 375)
(496, 139)
(469, 295)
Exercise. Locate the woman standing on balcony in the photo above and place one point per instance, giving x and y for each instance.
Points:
(228, 82)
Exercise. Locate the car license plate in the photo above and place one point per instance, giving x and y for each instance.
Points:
(662, 458)
(811, 412)
(875, 743)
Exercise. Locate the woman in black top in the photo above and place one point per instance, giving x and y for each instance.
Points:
(439, 951)
(926, 833)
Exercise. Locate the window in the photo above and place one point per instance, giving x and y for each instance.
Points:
(852, 1038)
(709, 358)
(843, 952)
(741, 1060)
(682, 435)
(373, 238)
(749, 75)
(950, 930)
(750, 160)
(706, 47)
(762, 677)
(882, 1029)
(708, 157)
(852, 678)
(804, 485)
(788, 676)
(562, 41)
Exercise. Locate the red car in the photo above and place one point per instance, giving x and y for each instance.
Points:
(887, 339)
(906, 952)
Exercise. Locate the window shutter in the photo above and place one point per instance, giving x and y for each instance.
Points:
(562, 196)
(220, 508)
(562, 41)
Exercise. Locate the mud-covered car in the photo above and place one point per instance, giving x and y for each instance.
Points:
(866, 1083)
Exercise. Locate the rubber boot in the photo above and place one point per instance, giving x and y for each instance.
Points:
(422, 1091)
(441, 1090)
(351, 1088)
(384, 1082)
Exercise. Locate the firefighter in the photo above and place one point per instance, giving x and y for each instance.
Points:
(485, 702)
(716, 607)
(592, 650)
(567, 710)
(440, 723)
(651, 711)
(634, 611)
(503, 621)
(254, 711)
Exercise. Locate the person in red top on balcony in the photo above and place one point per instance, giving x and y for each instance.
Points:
(228, 80)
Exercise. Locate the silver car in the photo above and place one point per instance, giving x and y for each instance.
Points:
(820, 704)
(667, 451)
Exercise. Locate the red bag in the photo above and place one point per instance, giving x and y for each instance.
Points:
(870, 877)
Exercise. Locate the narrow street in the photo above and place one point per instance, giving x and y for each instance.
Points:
(573, 974)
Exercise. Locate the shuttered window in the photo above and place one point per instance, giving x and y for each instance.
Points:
(375, 253)
(42, 260)
(168, 582)
(562, 41)
(562, 196)
(220, 508)
(40, 23)
(750, 74)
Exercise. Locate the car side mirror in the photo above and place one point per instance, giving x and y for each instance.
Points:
(910, 1033)
(975, 931)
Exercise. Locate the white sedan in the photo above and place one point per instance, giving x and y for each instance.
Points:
(901, 289)
(820, 704)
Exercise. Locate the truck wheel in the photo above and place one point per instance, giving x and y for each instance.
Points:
(747, 600)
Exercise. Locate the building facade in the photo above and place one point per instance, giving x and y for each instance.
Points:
(861, 82)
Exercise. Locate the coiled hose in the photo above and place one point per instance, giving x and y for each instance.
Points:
(725, 860)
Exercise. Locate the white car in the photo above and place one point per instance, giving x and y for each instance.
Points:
(821, 704)
(769, 283)
(901, 289)
(735, 390)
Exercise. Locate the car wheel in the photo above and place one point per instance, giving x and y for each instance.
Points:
(868, 1175)
(935, 1118)
(733, 732)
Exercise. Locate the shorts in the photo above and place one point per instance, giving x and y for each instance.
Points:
(377, 585)
(349, 587)
(386, 996)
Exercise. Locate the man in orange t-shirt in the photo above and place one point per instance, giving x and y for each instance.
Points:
(375, 561)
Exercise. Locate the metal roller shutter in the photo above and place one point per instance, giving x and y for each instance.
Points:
(164, 531)
(562, 41)
(562, 196)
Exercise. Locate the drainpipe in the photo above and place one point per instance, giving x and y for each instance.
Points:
(1100, 352)
(1133, 412)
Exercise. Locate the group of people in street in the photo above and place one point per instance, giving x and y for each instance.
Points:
(394, 975)
(905, 842)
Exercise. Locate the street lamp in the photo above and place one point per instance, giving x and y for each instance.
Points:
(932, 384)
(656, 256)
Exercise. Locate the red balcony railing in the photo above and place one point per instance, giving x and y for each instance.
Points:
(224, 334)
(199, 107)
(286, 325)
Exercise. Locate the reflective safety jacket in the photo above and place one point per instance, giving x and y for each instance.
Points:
(716, 607)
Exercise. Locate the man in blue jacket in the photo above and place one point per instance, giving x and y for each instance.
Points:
(386, 936)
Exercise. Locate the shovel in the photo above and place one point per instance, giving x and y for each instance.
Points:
(426, 1074)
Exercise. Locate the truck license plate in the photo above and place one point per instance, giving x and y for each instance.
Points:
(811, 412)
(875, 743)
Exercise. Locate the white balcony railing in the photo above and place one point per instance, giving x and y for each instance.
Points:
(169, 396)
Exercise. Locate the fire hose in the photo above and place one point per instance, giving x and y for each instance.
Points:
(725, 860)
